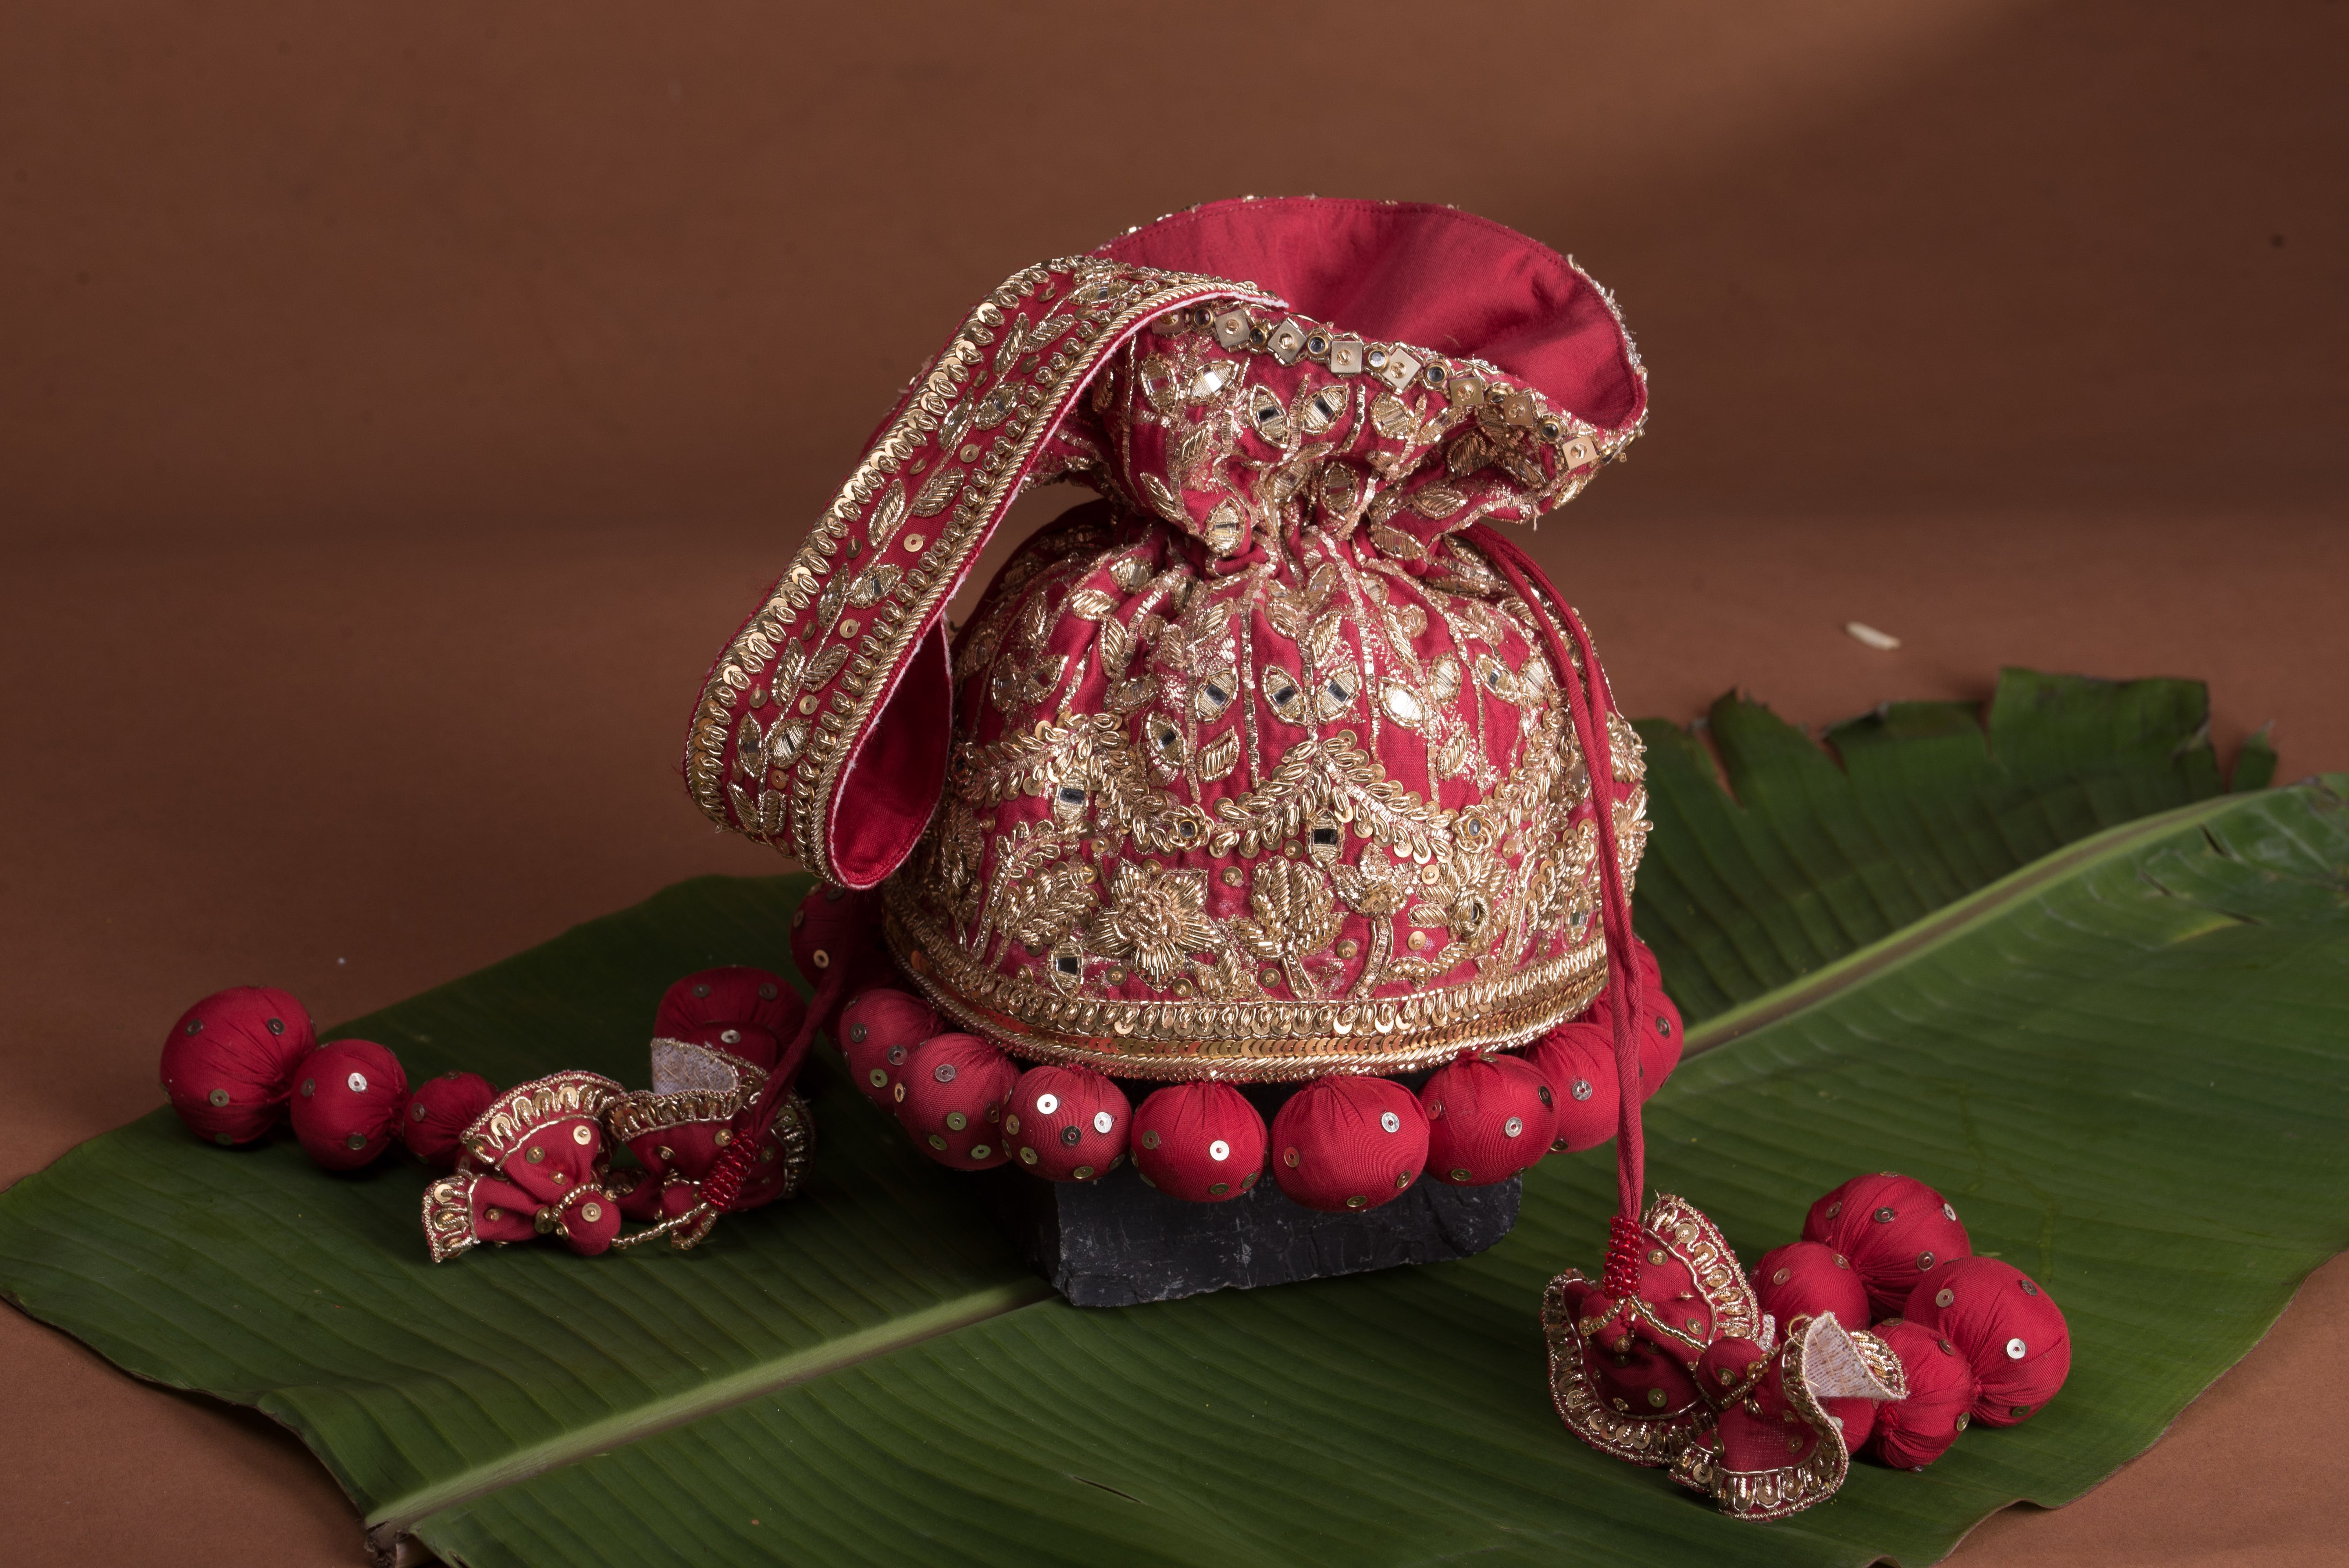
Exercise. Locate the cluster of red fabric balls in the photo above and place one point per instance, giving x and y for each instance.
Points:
(1340, 1143)
(239, 1060)
(242, 1058)
(1979, 1339)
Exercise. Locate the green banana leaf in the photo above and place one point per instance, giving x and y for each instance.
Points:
(2103, 1060)
(2124, 1075)
(1809, 861)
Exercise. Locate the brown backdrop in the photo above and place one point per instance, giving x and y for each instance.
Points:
(370, 373)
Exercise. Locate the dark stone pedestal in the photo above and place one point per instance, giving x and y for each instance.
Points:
(1118, 1241)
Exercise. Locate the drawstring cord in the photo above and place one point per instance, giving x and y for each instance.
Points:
(1588, 703)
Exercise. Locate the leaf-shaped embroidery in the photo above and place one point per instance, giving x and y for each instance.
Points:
(824, 666)
(1213, 694)
(1317, 408)
(886, 517)
(1116, 644)
(1341, 491)
(1438, 500)
(1169, 504)
(936, 494)
(749, 744)
(1157, 379)
(1132, 697)
(1267, 418)
(789, 670)
(827, 608)
(1336, 683)
(1286, 611)
(1321, 638)
(977, 647)
(873, 585)
(1040, 910)
(1014, 340)
(1294, 913)
(993, 409)
(1196, 450)
(1469, 453)
(1391, 541)
(1089, 604)
(1226, 527)
(1217, 757)
(1391, 419)
(1497, 678)
(1287, 695)
(1453, 755)
(784, 743)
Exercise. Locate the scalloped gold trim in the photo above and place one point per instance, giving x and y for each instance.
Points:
(497, 1132)
(449, 1217)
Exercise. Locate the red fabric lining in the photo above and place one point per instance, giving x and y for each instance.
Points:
(1417, 273)
(895, 776)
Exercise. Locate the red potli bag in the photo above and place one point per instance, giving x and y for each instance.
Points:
(1277, 764)
(1265, 767)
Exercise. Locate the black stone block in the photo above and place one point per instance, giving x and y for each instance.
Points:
(1118, 1241)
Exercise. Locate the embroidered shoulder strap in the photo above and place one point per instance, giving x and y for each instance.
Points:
(822, 728)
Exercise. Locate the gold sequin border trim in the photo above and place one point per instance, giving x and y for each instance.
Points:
(1683, 1227)
(449, 1217)
(497, 1132)
(641, 1111)
(1257, 1042)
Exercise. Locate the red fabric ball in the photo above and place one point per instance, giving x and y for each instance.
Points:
(1202, 1142)
(756, 1007)
(1911, 1433)
(1855, 1416)
(1487, 1119)
(439, 1111)
(834, 927)
(1578, 1062)
(1067, 1124)
(951, 1097)
(347, 1099)
(1660, 1030)
(2010, 1331)
(1894, 1229)
(1643, 961)
(1804, 1279)
(229, 1062)
(878, 1028)
(1661, 1036)
(1349, 1142)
